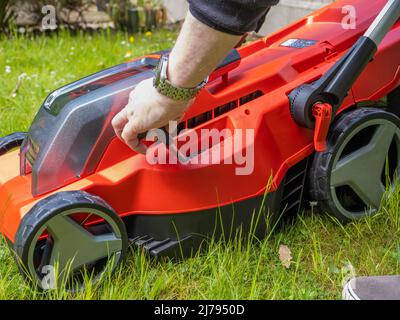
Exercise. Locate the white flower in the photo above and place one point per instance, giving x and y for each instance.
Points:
(8, 69)
(22, 76)
(52, 73)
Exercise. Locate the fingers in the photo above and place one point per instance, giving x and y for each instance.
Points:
(136, 145)
(146, 109)
(131, 96)
(130, 136)
(140, 148)
(119, 122)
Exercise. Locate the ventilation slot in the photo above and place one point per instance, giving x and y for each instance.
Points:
(200, 119)
(208, 115)
(32, 151)
(293, 188)
(225, 108)
(181, 126)
(250, 97)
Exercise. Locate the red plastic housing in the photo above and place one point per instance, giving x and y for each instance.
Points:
(253, 95)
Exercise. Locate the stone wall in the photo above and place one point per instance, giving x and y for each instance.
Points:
(288, 11)
(285, 12)
(176, 9)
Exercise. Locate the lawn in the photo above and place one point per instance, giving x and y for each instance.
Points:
(324, 253)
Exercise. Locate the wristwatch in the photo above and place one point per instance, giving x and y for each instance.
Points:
(165, 87)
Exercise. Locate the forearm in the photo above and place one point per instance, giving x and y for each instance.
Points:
(197, 52)
(199, 49)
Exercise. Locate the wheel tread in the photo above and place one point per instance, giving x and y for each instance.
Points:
(319, 172)
(50, 206)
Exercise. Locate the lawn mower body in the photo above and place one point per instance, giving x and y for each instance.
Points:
(71, 145)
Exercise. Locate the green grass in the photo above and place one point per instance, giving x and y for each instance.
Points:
(322, 249)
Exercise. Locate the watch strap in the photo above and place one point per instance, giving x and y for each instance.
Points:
(165, 87)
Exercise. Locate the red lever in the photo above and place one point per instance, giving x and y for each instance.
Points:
(322, 113)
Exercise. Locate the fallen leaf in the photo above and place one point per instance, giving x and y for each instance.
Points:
(285, 255)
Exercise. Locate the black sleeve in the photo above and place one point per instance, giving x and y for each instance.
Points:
(231, 16)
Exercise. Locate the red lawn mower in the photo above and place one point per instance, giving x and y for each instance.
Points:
(324, 104)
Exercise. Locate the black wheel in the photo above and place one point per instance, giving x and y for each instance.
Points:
(349, 179)
(11, 142)
(74, 233)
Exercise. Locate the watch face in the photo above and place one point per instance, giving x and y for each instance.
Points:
(157, 71)
(161, 71)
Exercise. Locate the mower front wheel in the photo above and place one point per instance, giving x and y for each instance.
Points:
(361, 162)
(69, 237)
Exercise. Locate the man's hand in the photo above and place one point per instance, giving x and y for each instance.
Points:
(195, 55)
(147, 109)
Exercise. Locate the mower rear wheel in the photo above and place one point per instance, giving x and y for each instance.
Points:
(69, 237)
(12, 141)
(361, 162)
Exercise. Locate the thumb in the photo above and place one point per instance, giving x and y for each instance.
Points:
(119, 122)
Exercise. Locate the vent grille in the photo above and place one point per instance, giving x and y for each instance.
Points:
(225, 108)
(250, 97)
(293, 190)
(200, 119)
(218, 111)
(32, 151)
